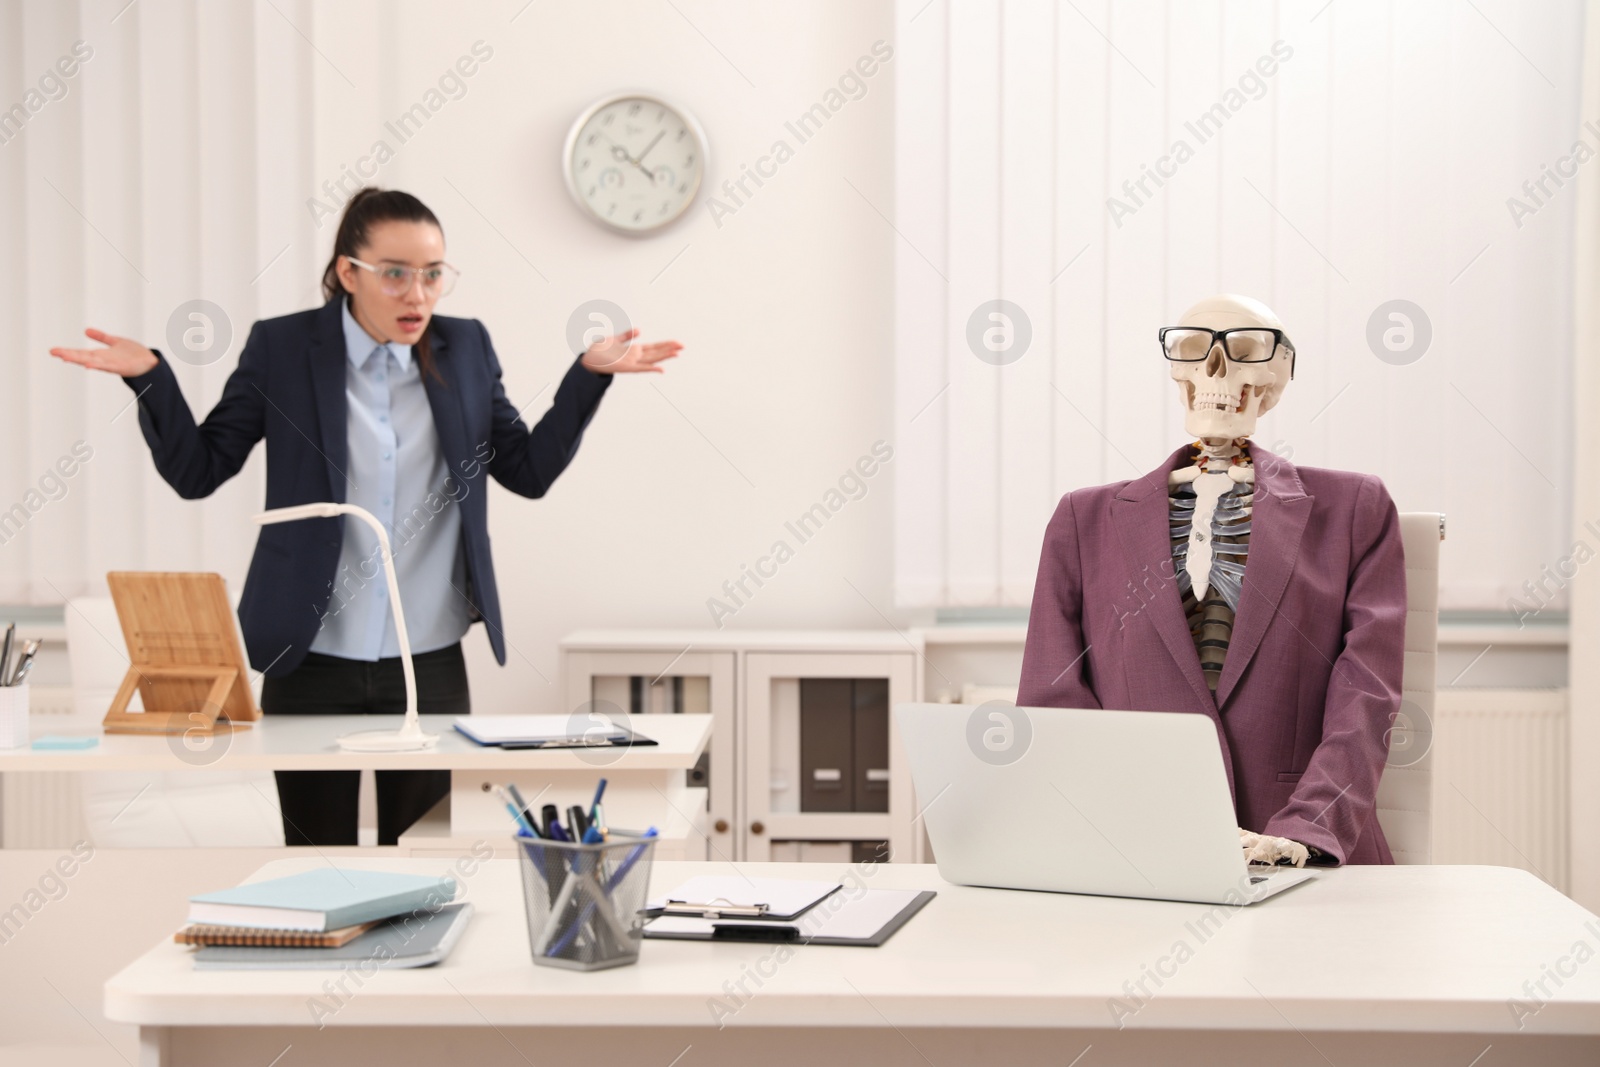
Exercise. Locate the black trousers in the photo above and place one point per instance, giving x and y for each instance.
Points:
(320, 807)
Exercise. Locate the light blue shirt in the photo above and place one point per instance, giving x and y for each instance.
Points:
(396, 471)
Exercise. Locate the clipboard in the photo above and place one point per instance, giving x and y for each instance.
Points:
(545, 731)
(867, 921)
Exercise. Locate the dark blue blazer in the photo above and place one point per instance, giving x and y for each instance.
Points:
(289, 388)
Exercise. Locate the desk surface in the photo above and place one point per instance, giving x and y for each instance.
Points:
(1420, 949)
(308, 742)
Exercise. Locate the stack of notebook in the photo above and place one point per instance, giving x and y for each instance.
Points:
(326, 917)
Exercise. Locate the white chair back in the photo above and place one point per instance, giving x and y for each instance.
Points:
(177, 809)
(1405, 795)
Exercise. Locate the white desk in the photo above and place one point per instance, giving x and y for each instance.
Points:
(1368, 965)
(647, 784)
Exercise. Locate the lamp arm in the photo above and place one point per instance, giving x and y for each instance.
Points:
(411, 731)
(412, 727)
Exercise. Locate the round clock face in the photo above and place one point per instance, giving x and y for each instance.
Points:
(634, 162)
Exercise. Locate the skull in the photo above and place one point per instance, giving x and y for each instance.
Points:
(1222, 396)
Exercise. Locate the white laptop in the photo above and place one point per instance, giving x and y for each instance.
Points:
(1113, 803)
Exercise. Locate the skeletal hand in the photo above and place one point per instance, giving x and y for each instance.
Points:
(1264, 848)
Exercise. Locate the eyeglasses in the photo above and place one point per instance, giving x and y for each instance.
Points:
(1251, 344)
(396, 280)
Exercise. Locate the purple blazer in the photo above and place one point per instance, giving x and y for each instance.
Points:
(1311, 682)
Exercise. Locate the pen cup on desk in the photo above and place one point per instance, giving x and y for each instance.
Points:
(584, 900)
(13, 716)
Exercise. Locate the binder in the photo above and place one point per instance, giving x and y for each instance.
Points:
(826, 738)
(844, 744)
(866, 919)
(871, 728)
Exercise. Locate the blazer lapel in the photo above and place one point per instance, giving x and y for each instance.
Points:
(328, 361)
(444, 398)
(1139, 513)
(1278, 517)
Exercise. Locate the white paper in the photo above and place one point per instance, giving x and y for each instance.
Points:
(858, 914)
(783, 896)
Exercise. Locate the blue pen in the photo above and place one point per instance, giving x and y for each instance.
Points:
(592, 836)
(599, 791)
(610, 883)
(566, 939)
(522, 805)
(627, 864)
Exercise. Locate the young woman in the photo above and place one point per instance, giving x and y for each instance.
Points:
(370, 399)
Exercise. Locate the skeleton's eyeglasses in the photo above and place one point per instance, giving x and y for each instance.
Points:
(1254, 344)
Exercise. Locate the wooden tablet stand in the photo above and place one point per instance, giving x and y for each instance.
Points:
(185, 657)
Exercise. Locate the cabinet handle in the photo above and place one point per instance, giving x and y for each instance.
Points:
(758, 828)
(722, 826)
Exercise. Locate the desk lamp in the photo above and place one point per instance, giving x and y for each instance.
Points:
(409, 738)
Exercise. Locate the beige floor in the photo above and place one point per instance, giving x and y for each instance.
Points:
(90, 925)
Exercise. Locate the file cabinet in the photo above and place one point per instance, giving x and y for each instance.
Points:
(804, 759)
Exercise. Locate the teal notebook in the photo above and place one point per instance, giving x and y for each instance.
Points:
(327, 898)
(390, 945)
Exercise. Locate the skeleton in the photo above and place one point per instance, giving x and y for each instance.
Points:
(1225, 382)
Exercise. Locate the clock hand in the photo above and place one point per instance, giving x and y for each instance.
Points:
(622, 153)
(652, 144)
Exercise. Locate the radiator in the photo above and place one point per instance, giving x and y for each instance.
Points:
(43, 810)
(1500, 780)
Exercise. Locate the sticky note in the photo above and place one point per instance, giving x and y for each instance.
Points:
(56, 741)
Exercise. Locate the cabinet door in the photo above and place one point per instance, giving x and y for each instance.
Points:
(774, 768)
(665, 681)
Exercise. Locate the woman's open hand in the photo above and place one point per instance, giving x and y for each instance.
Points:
(617, 355)
(123, 357)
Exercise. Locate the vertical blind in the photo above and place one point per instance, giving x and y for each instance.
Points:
(1101, 166)
(133, 188)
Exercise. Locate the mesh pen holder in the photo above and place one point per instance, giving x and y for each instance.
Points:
(584, 900)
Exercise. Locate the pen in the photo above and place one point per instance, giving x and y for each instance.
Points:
(5, 654)
(577, 822)
(516, 813)
(522, 805)
(594, 805)
(627, 864)
(20, 675)
(552, 823)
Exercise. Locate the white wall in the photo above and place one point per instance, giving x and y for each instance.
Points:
(191, 142)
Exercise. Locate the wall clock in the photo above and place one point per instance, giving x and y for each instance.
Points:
(633, 162)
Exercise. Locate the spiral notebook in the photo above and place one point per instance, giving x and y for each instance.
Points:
(417, 940)
(211, 934)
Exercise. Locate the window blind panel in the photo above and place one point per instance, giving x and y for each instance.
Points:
(973, 454)
(1379, 160)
